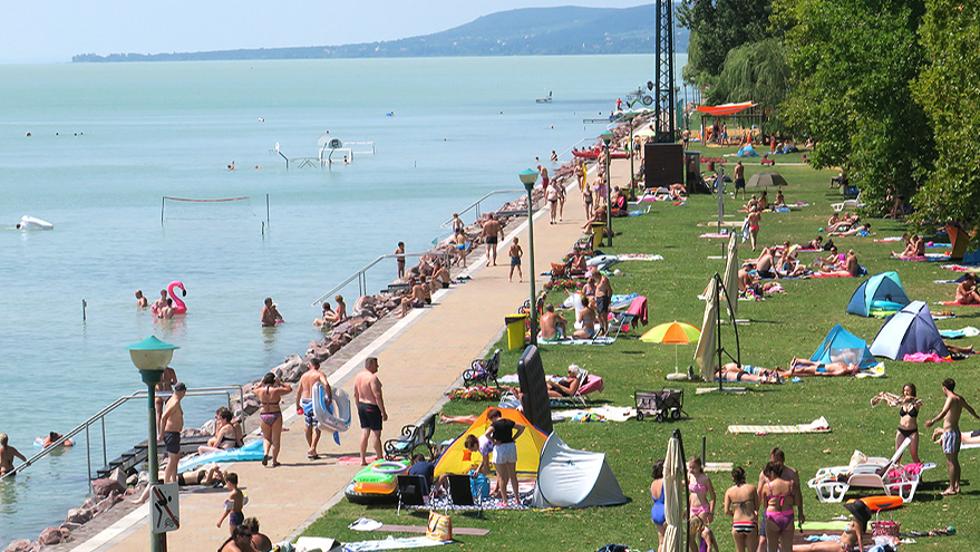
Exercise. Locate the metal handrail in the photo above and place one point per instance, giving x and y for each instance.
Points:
(361, 275)
(476, 204)
(108, 409)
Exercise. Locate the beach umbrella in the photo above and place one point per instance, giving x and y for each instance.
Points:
(672, 333)
(674, 489)
(765, 180)
(705, 355)
(731, 272)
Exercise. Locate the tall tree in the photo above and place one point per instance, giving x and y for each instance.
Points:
(756, 71)
(852, 62)
(718, 26)
(949, 91)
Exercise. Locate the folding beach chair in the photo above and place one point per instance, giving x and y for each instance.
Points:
(412, 490)
(588, 384)
(886, 474)
(635, 315)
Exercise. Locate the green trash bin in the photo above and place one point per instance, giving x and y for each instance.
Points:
(515, 331)
(598, 231)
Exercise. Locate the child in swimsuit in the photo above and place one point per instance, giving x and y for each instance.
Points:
(233, 504)
(515, 253)
(702, 499)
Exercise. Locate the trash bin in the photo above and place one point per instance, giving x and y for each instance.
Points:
(515, 331)
(598, 231)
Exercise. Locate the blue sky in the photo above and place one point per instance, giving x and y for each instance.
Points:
(54, 30)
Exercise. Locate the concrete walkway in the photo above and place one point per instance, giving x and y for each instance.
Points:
(420, 358)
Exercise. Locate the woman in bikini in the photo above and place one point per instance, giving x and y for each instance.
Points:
(586, 321)
(851, 540)
(908, 411)
(702, 500)
(740, 503)
(269, 393)
(778, 497)
(227, 435)
(657, 514)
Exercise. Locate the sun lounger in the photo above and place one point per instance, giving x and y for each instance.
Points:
(820, 425)
(831, 484)
(588, 384)
(636, 314)
(604, 340)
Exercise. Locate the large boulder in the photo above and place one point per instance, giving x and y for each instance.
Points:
(105, 486)
(108, 502)
(80, 516)
(51, 535)
(251, 405)
(22, 545)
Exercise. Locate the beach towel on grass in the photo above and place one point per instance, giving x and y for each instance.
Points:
(639, 257)
(602, 340)
(925, 357)
(391, 543)
(968, 331)
(820, 425)
(961, 268)
(714, 235)
(596, 414)
(927, 258)
(955, 304)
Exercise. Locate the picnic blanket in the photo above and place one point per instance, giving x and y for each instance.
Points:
(955, 304)
(601, 340)
(820, 425)
(925, 357)
(714, 235)
(968, 331)
(366, 524)
(604, 413)
(391, 543)
(639, 257)
(927, 258)
(836, 274)
(961, 268)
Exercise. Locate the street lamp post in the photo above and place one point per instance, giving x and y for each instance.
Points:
(151, 356)
(528, 178)
(607, 138)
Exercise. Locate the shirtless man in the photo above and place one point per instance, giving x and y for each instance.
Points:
(788, 473)
(270, 314)
(951, 438)
(739, 178)
(492, 230)
(966, 292)
(400, 260)
(753, 219)
(160, 303)
(515, 252)
(141, 302)
(164, 388)
(171, 424)
(7, 455)
(851, 264)
(806, 367)
(304, 403)
(553, 325)
(167, 311)
(370, 406)
(603, 299)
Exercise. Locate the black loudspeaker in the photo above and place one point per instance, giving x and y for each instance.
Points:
(535, 401)
(664, 164)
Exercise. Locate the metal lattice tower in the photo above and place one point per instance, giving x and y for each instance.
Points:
(664, 104)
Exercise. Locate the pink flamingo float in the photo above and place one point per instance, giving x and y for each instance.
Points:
(179, 306)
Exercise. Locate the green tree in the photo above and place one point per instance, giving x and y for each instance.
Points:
(852, 62)
(718, 26)
(949, 91)
(755, 71)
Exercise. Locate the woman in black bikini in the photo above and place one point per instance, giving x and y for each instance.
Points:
(270, 415)
(227, 434)
(908, 411)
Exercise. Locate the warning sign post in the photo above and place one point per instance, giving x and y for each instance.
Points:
(164, 508)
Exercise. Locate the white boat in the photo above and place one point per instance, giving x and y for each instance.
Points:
(28, 222)
(546, 99)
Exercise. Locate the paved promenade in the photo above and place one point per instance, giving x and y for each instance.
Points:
(420, 358)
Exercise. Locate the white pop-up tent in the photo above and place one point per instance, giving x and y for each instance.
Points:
(569, 478)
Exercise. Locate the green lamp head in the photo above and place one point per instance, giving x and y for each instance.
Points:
(607, 137)
(528, 178)
(151, 354)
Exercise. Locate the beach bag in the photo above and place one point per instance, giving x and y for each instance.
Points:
(885, 528)
(479, 486)
(440, 527)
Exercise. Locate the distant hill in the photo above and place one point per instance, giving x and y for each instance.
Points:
(567, 30)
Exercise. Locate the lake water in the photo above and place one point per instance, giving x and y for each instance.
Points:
(461, 128)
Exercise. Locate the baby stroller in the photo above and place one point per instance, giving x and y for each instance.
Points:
(483, 371)
(662, 405)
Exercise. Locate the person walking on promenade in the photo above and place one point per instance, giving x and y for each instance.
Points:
(234, 504)
(515, 253)
(491, 231)
(400, 256)
(951, 437)
(270, 416)
(270, 314)
(545, 179)
(171, 425)
(304, 403)
(7, 455)
(371, 410)
(752, 220)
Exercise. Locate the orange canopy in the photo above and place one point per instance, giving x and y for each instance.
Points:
(725, 109)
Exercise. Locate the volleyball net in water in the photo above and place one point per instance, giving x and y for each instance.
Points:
(211, 208)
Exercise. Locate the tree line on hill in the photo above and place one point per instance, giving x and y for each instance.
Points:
(888, 89)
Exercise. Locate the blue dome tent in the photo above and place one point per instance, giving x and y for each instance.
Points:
(911, 330)
(879, 294)
(841, 345)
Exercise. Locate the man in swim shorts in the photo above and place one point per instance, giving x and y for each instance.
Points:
(7, 455)
(304, 403)
(515, 253)
(171, 424)
(491, 231)
(603, 299)
(951, 438)
(370, 407)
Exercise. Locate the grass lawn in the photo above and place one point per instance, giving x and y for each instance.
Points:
(788, 325)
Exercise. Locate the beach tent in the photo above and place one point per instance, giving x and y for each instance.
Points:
(910, 330)
(458, 460)
(569, 478)
(881, 292)
(841, 345)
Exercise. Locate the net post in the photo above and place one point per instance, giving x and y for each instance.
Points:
(267, 221)
(163, 205)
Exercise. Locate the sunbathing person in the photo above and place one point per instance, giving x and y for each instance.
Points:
(806, 367)
(851, 539)
(916, 247)
(465, 420)
(815, 243)
(749, 374)
(585, 320)
(415, 299)
(862, 231)
(677, 192)
(207, 476)
(791, 268)
(780, 200)
(441, 277)
(764, 264)
(832, 262)
(553, 325)
(851, 264)
(966, 291)
(565, 387)
(836, 223)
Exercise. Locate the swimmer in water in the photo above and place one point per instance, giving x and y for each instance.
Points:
(7, 455)
(141, 302)
(270, 314)
(231, 166)
(160, 303)
(53, 437)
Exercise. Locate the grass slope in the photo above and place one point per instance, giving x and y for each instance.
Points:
(782, 327)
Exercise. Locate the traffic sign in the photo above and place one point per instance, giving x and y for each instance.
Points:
(164, 508)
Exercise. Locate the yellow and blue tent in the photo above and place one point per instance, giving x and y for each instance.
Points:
(458, 460)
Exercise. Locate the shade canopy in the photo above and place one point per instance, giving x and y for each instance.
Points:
(671, 333)
(725, 109)
(151, 353)
(766, 180)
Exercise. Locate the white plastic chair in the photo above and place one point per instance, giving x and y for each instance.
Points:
(872, 474)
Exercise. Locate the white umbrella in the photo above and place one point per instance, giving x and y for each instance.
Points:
(675, 488)
(705, 356)
(731, 272)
